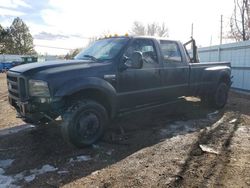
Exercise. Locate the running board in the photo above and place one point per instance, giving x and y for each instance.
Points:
(148, 107)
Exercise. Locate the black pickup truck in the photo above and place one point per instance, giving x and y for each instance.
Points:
(113, 76)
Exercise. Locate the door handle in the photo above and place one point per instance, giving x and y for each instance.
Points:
(159, 71)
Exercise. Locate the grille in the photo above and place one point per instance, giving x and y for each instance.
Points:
(12, 78)
(16, 95)
(16, 87)
(22, 88)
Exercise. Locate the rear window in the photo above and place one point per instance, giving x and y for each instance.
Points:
(171, 52)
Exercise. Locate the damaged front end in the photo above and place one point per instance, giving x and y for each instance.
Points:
(31, 99)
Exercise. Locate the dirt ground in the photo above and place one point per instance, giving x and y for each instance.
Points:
(8, 116)
(182, 145)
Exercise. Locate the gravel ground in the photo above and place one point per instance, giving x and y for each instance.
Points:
(182, 145)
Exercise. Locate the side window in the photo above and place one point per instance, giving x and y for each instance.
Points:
(146, 47)
(171, 52)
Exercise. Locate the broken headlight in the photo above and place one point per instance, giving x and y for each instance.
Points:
(38, 88)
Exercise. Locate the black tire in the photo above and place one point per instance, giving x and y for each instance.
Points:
(218, 98)
(84, 123)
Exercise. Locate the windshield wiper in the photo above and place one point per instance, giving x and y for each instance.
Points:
(91, 57)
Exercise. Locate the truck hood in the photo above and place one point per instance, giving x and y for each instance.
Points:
(58, 66)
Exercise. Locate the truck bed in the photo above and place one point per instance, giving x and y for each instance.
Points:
(202, 76)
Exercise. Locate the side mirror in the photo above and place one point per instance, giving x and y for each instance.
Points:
(135, 61)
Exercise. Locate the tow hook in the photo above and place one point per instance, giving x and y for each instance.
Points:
(48, 117)
(18, 115)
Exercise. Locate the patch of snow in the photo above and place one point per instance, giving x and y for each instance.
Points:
(95, 146)
(9, 181)
(19, 176)
(2, 171)
(35, 172)
(59, 118)
(95, 172)
(175, 138)
(233, 121)
(109, 152)
(178, 127)
(6, 163)
(80, 158)
(45, 168)
(208, 149)
(189, 128)
(63, 172)
(210, 115)
(30, 178)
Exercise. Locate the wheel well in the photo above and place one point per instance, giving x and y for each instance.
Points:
(225, 79)
(93, 94)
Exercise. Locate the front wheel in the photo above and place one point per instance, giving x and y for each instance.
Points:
(84, 123)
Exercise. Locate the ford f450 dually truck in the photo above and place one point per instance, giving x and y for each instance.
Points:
(113, 76)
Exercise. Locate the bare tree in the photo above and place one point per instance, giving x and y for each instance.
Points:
(105, 34)
(163, 30)
(138, 28)
(151, 29)
(91, 40)
(240, 21)
(72, 53)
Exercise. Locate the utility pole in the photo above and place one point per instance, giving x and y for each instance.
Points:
(192, 30)
(221, 27)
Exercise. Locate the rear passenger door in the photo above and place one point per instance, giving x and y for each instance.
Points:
(140, 86)
(175, 70)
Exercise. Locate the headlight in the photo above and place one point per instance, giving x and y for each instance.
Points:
(38, 88)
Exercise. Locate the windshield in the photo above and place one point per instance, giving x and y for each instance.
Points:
(104, 49)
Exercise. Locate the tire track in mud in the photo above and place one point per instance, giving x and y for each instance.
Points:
(201, 169)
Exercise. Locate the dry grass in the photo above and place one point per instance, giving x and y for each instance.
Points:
(7, 113)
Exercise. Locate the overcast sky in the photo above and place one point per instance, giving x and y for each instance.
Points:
(66, 23)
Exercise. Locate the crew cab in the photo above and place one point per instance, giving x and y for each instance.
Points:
(110, 77)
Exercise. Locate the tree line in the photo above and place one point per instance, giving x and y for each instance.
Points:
(240, 21)
(16, 39)
(138, 28)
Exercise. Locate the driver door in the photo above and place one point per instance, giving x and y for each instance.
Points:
(140, 86)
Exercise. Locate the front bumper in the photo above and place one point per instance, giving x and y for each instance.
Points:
(35, 110)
